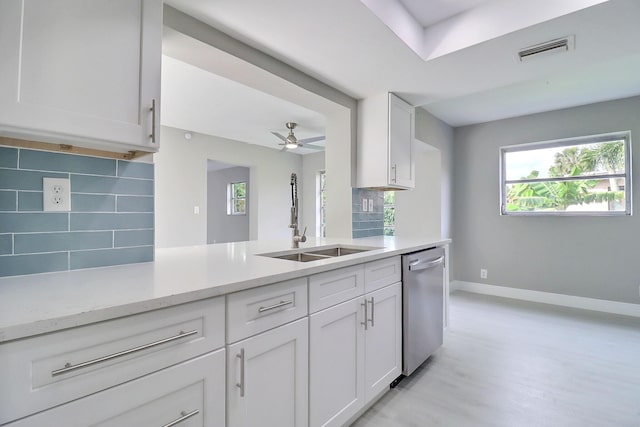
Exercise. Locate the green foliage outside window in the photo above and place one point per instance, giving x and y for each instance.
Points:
(567, 184)
(389, 213)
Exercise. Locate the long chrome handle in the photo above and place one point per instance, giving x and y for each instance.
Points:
(153, 121)
(395, 172)
(419, 265)
(69, 367)
(240, 385)
(365, 315)
(183, 416)
(274, 306)
(372, 311)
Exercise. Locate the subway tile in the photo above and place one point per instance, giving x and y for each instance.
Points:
(33, 222)
(7, 201)
(13, 179)
(6, 244)
(111, 221)
(359, 233)
(8, 157)
(107, 257)
(133, 238)
(106, 185)
(55, 242)
(135, 169)
(30, 201)
(47, 161)
(135, 204)
(33, 264)
(93, 203)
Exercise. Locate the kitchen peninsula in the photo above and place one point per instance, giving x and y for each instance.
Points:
(71, 341)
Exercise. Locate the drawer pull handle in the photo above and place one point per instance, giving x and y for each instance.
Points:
(69, 367)
(183, 417)
(274, 306)
(373, 307)
(366, 315)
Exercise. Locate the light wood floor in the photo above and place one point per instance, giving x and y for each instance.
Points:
(508, 363)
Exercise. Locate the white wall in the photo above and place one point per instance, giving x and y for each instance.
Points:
(311, 165)
(587, 256)
(437, 134)
(419, 211)
(181, 184)
(222, 227)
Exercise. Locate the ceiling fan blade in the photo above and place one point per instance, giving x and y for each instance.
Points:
(283, 148)
(279, 136)
(314, 147)
(314, 139)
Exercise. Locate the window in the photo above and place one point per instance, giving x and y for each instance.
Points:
(577, 176)
(321, 203)
(389, 213)
(237, 198)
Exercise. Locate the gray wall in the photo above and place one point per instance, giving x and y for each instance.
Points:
(595, 257)
(223, 228)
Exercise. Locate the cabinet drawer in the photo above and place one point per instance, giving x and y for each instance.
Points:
(48, 370)
(192, 392)
(378, 274)
(257, 310)
(333, 287)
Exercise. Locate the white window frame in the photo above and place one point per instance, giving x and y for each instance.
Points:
(591, 139)
(231, 205)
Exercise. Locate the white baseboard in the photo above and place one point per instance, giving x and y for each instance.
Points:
(605, 306)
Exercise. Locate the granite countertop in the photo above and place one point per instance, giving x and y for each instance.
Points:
(36, 304)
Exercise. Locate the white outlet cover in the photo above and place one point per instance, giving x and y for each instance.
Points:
(370, 205)
(56, 194)
(364, 205)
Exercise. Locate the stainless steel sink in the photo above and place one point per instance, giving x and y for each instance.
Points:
(319, 253)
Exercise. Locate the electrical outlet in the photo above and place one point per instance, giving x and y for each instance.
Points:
(364, 205)
(483, 273)
(370, 205)
(196, 210)
(56, 195)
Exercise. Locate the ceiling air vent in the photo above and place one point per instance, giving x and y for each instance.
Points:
(554, 46)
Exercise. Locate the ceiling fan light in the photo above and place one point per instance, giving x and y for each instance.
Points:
(291, 145)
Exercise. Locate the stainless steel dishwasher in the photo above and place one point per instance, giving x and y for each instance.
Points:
(422, 306)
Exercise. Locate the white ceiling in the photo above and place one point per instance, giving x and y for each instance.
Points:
(344, 44)
(199, 101)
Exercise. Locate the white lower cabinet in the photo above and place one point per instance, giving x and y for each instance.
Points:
(336, 376)
(187, 395)
(267, 378)
(383, 340)
(355, 353)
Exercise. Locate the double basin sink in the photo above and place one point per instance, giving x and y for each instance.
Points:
(319, 253)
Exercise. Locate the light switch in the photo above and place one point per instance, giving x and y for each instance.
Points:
(364, 205)
(370, 205)
(196, 210)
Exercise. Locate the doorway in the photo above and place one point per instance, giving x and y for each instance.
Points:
(228, 188)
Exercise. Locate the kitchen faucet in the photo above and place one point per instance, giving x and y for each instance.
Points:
(295, 237)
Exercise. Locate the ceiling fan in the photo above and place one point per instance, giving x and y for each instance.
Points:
(290, 141)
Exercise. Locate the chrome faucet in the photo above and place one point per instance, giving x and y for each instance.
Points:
(295, 237)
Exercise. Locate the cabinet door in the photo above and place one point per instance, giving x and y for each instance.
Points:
(77, 71)
(190, 394)
(267, 378)
(383, 339)
(336, 376)
(401, 136)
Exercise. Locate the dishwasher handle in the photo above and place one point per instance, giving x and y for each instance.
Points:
(421, 265)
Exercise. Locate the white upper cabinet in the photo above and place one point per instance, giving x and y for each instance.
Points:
(386, 131)
(81, 72)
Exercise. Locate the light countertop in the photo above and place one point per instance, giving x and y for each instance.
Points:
(36, 304)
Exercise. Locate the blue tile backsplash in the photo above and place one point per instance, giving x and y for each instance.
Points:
(369, 223)
(110, 223)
